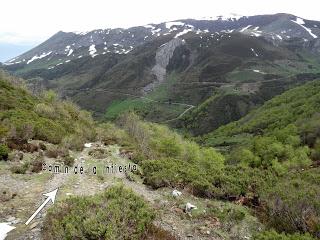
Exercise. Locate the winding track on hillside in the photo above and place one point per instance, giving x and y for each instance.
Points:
(189, 106)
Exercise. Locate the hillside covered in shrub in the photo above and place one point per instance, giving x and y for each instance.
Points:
(24, 116)
(116, 213)
(270, 160)
(267, 161)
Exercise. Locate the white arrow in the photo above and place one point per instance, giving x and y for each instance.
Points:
(4, 229)
(51, 196)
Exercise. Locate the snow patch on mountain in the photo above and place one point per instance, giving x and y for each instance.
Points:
(228, 31)
(149, 26)
(70, 52)
(245, 28)
(80, 33)
(278, 36)
(254, 52)
(225, 17)
(230, 16)
(92, 50)
(155, 31)
(258, 71)
(171, 24)
(300, 22)
(256, 34)
(185, 31)
(13, 59)
(39, 57)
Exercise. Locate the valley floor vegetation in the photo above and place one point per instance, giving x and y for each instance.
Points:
(273, 169)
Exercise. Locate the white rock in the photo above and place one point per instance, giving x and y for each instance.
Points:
(176, 193)
(87, 145)
(189, 207)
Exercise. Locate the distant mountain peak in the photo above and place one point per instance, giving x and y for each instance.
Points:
(224, 17)
(64, 47)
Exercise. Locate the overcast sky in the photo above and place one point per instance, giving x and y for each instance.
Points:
(32, 21)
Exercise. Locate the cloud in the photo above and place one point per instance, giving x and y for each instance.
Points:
(36, 20)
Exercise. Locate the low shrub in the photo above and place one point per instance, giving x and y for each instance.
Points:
(45, 110)
(157, 233)
(68, 160)
(73, 142)
(4, 152)
(115, 214)
(20, 168)
(273, 235)
(109, 133)
(56, 151)
(36, 165)
(99, 153)
(3, 131)
(293, 202)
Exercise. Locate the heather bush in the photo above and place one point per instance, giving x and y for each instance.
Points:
(115, 214)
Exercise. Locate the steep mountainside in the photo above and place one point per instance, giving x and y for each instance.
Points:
(297, 107)
(183, 72)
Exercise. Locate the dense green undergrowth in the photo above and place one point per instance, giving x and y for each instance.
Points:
(281, 138)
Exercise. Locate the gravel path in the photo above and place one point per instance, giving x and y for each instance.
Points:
(30, 195)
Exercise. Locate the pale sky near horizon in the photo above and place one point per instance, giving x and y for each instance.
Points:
(33, 21)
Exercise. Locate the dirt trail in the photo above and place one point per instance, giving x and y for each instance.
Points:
(188, 106)
(30, 194)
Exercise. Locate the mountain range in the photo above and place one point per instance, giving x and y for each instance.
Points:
(194, 74)
(220, 116)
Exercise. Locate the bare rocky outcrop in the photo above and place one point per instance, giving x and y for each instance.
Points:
(163, 56)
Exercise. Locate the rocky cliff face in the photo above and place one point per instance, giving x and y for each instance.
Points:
(163, 56)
